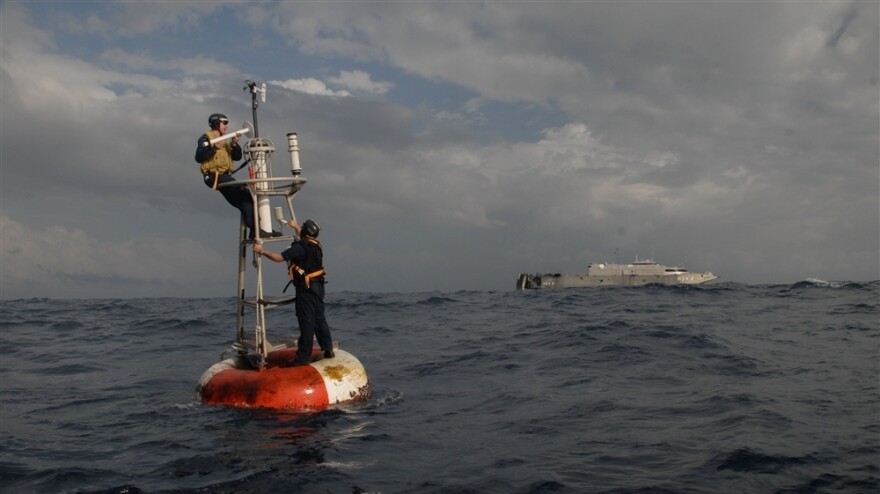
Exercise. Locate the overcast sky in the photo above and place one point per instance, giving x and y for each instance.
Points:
(447, 145)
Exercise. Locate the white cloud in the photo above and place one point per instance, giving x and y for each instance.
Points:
(353, 81)
(561, 179)
(310, 85)
(360, 82)
(438, 42)
(51, 83)
(189, 66)
(471, 112)
(134, 19)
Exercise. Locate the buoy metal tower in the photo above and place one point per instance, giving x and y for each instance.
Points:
(262, 185)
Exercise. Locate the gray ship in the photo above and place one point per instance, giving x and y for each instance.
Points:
(638, 273)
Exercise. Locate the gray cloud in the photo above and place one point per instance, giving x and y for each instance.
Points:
(741, 140)
(67, 262)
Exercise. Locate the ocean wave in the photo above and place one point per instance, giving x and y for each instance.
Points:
(722, 388)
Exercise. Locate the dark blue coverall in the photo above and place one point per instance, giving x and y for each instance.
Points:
(309, 310)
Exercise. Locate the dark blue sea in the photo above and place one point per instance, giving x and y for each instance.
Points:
(723, 388)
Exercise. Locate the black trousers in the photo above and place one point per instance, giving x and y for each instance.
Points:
(312, 324)
(237, 196)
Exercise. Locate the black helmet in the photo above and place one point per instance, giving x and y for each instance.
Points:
(215, 119)
(310, 229)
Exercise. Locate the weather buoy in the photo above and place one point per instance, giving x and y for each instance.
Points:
(260, 374)
(326, 381)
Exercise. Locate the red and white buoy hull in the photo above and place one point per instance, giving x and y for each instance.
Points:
(324, 382)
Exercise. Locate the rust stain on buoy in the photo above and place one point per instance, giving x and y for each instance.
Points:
(337, 372)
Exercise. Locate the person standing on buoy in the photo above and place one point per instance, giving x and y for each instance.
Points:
(305, 260)
(216, 166)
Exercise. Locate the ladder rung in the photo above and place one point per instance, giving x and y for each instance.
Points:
(269, 302)
(248, 344)
(284, 238)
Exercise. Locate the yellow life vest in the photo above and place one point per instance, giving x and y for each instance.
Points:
(221, 162)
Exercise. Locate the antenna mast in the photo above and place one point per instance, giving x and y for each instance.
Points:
(254, 104)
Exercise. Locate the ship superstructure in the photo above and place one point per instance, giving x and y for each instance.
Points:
(637, 273)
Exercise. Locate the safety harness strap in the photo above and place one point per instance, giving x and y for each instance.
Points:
(307, 277)
(297, 272)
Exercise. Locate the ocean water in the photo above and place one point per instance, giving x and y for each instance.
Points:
(724, 388)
